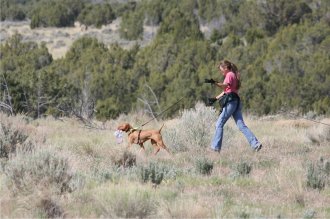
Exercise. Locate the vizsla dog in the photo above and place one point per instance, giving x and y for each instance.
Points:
(136, 136)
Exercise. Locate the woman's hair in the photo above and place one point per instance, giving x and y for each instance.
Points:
(232, 67)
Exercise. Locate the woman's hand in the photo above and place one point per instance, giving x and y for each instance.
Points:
(220, 95)
(211, 101)
(210, 81)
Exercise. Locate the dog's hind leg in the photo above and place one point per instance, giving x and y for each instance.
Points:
(161, 128)
(155, 145)
(162, 145)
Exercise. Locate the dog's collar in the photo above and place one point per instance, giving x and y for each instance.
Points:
(131, 130)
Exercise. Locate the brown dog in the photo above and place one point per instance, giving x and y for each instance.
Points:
(136, 136)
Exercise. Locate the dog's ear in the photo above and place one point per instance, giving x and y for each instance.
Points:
(127, 127)
(124, 127)
(121, 127)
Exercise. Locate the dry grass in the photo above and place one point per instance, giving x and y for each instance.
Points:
(242, 183)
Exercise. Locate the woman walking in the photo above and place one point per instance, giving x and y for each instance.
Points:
(231, 106)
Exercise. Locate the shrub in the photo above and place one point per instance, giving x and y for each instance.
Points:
(318, 174)
(156, 172)
(96, 14)
(243, 214)
(103, 174)
(309, 214)
(55, 13)
(319, 135)
(172, 139)
(153, 173)
(204, 166)
(15, 14)
(13, 138)
(49, 209)
(43, 168)
(127, 203)
(194, 127)
(124, 159)
(241, 169)
(11, 11)
(131, 26)
(138, 207)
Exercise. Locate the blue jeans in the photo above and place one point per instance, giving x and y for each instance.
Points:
(231, 109)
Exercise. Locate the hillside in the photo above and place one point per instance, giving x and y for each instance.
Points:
(59, 40)
(64, 169)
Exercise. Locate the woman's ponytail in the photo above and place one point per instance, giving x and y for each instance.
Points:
(234, 68)
(238, 75)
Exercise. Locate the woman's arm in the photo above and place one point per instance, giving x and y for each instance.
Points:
(221, 85)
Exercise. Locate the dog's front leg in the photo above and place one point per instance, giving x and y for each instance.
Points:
(156, 150)
(128, 146)
(142, 148)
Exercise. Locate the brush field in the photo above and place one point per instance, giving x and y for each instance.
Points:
(60, 168)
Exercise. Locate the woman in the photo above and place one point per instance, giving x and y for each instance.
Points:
(231, 107)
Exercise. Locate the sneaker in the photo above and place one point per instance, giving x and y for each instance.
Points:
(258, 148)
(212, 150)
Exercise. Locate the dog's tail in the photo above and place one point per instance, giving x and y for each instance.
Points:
(161, 128)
